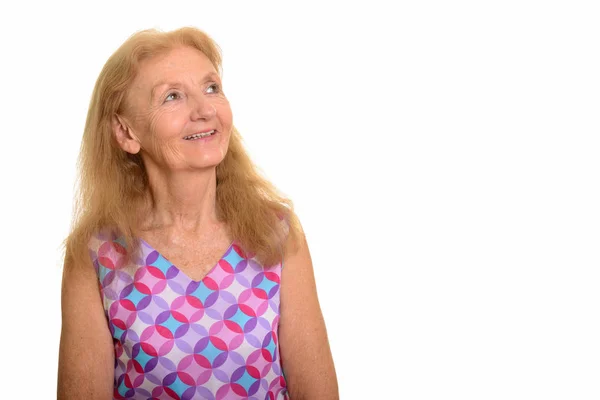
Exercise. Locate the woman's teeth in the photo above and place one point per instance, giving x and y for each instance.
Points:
(199, 135)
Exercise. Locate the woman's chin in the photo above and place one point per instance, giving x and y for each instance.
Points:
(204, 164)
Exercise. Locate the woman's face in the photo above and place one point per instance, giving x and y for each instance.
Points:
(174, 96)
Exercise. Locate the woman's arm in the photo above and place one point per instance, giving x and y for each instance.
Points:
(86, 355)
(305, 354)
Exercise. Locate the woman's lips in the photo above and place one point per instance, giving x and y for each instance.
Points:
(192, 138)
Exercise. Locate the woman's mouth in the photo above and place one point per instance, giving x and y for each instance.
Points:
(202, 135)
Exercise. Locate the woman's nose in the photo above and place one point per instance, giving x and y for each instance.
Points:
(202, 108)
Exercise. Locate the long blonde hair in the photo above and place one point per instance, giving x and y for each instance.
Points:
(112, 183)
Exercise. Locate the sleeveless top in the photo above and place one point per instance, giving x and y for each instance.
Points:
(176, 338)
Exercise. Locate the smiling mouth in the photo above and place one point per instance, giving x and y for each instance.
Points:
(200, 135)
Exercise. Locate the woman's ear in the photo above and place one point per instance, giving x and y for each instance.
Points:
(126, 139)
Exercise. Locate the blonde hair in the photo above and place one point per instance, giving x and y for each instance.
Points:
(112, 183)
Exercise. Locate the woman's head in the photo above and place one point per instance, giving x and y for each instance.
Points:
(153, 93)
(174, 97)
(156, 89)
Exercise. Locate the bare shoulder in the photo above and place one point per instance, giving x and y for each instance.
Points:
(305, 352)
(86, 358)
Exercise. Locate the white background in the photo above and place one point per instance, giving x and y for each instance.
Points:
(443, 158)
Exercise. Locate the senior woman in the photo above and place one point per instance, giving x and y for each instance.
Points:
(187, 275)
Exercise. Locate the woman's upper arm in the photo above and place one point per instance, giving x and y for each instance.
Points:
(305, 353)
(86, 354)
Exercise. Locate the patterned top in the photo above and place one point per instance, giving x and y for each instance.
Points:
(176, 338)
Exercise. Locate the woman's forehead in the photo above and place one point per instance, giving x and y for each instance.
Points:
(175, 66)
(176, 61)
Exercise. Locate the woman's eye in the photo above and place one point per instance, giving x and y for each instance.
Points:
(215, 87)
(172, 94)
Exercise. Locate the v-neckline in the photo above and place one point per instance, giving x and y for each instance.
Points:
(179, 271)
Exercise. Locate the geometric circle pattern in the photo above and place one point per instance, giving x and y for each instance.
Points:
(176, 338)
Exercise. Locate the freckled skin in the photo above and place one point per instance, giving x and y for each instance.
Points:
(182, 225)
(160, 123)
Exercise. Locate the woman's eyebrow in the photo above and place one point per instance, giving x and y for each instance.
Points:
(163, 82)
